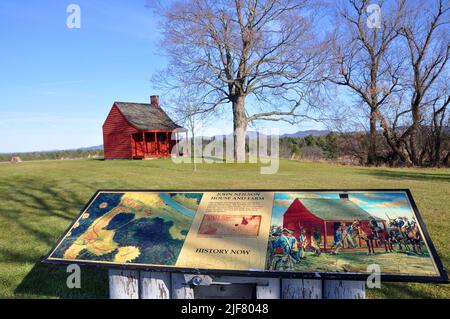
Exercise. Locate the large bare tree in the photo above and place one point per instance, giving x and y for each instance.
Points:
(260, 56)
(420, 105)
(360, 59)
(426, 35)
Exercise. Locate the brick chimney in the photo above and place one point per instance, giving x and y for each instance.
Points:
(154, 100)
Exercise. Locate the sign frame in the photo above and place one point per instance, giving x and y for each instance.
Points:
(352, 276)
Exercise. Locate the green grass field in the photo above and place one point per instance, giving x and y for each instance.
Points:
(40, 199)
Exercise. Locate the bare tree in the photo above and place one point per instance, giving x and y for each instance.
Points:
(424, 46)
(429, 52)
(439, 132)
(360, 58)
(187, 112)
(259, 55)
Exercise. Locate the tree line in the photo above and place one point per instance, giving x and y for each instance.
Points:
(351, 65)
(53, 155)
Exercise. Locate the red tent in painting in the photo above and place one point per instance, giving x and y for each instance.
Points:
(323, 214)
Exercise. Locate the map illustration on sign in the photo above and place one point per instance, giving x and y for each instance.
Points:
(230, 225)
(284, 233)
(131, 227)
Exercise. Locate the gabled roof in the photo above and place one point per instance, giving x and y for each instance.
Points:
(334, 209)
(146, 116)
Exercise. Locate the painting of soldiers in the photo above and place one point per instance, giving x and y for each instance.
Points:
(345, 232)
(283, 254)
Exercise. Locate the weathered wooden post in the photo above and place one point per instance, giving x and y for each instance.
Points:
(123, 284)
(341, 289)
(126, 284)
(154, 285)
(301, 289)
(269, 291)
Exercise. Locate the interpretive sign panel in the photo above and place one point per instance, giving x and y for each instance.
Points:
(289, 233)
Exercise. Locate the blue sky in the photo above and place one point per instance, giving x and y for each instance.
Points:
(58, 84)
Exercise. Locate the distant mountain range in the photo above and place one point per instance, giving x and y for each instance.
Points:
(90, 148)
(306, 133)
(300, 134)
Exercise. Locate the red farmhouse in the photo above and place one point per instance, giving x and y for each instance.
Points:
(139, 131)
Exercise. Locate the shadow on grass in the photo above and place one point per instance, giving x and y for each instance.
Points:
(406, 175)
(39, 210)
(46, 280)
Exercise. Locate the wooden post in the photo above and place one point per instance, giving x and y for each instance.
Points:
(340, 289)
(301, 289)
(126, 284)
(269, 291)
(156, 143)
(154, 285)
(123, 284)
(167, 143)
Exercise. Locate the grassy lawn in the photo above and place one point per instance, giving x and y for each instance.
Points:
(40, 199)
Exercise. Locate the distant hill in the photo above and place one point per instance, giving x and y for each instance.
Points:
(91, 148)
(254, 134)
(306, 133)
(250, 134)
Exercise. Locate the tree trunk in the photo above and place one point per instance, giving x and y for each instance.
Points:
(394, 143)
(239, 128)
(413, 145)
(371, 155)
(416, 117)
(193, 146)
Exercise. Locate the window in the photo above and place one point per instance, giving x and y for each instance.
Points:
(161, 136)
(150, 137)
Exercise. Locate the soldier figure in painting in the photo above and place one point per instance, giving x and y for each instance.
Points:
(282, 252)
(347, 236)
(294, 246)
(373, 224)
(270, 245)
(303, 242)
(337, 245)
(316, 240)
